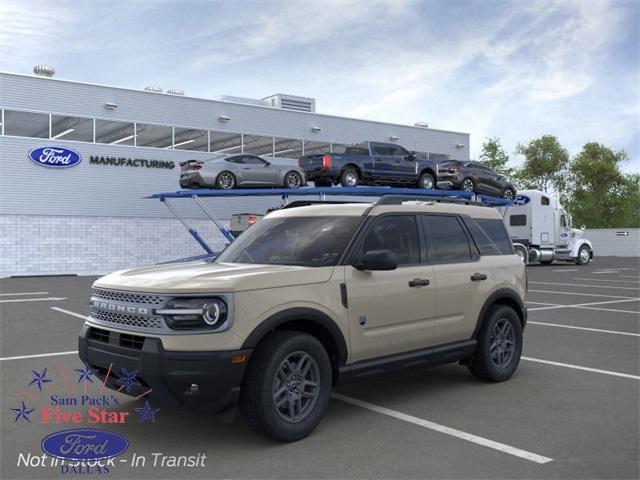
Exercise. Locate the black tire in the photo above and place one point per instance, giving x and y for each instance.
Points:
(427, 181)
(509, 194)
(225, 180)
(583, 258)
(546, 262)
(293, 180)
(482, 365)
(468, 185)
(347, 177)
(257, 403)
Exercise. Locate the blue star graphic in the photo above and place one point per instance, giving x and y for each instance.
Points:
(23, 412)
(39, 379)
(147, 413)
(85, 373)
(128, 379)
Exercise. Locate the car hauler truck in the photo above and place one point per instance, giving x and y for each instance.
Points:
(541, 230)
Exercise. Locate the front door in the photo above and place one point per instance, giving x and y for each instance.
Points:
(390, 311)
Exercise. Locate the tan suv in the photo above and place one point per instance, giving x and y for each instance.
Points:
(308, 298)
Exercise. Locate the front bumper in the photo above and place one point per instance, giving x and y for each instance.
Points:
(168, 374)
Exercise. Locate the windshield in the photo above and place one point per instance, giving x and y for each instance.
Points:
(304, 241)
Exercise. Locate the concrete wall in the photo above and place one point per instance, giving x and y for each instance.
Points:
(606, 242)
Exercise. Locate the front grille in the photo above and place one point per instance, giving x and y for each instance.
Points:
(99, 335)
(131, 341)
(135, 321)
(126, 297)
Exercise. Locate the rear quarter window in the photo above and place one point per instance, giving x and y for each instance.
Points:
(490, 236)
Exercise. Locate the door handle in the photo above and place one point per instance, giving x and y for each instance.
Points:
(478, 277)
(419, 282)
(246, 168)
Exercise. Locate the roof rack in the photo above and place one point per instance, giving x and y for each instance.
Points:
(399, 199)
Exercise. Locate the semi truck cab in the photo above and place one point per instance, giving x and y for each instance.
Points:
(542, 231)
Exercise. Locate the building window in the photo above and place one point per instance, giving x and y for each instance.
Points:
(314, 148)
(258, 145)
(114, 133)
(225, 142)
(287, 148)
(71, 128)
(157, 136)
(190, 139)
(26, 124)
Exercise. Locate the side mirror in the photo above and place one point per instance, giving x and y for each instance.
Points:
(412, 156)
(377, 260)
(266, 164)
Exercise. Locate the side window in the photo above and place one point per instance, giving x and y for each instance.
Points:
(497, 233)
(544, 201)
(563, 220)
(448, 241)
(251, 160)
(398, 233)
(518, 220)
(399, 151)
(235, 160)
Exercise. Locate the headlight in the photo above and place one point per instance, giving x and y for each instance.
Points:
(195, 313)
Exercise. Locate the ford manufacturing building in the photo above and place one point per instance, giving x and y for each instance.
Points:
(92, 218)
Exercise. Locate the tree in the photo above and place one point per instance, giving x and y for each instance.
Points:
(545, 163)
(600, 195)
(494, 156)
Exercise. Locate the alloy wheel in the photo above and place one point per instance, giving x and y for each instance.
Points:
(467, 185)
(351, 179)
(293, 180)
(296, 387)
(226, 181)
(503, 343)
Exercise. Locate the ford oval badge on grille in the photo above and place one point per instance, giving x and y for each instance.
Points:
(84, 444)
(55, 157)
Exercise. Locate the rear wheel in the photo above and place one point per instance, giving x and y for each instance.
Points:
(468, 185)
(508, 194)
(427, 181)
(293, 179)
(226, 180)
(285, 391)
(349, 178)
(499, 345)
(584, 255)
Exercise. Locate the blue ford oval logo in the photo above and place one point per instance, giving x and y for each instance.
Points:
(84, 444)
(55, 157)
(521, 200)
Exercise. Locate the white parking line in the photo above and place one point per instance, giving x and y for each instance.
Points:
(628, 276)
(23, 293)
(586, 305)
(485, 442)
(73, 314)
(610, 310)
(579, 367)
(587, 286)
(605, 280)
(580, 294)
(48, 299)
(540, 303)
(605, 272)
(22, 357)
(567, 270)
(572, 327)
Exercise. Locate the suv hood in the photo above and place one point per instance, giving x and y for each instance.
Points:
(201, 277)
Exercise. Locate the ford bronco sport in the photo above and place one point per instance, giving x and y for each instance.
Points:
(308, 298)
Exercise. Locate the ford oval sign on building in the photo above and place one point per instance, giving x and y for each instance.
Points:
(55, 157)
(84, 444)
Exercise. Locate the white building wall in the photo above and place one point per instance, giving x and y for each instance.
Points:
(608, 242)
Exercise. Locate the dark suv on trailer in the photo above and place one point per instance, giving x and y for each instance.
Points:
(474, 177)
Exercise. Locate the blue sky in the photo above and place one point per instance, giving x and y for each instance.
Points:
(515, 70)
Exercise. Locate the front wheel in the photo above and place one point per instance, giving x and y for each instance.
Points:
(499, 345)
(584, 255)
(293, 179)
(427, 181)
(226, 180)
(285, 391)
(509, 194)
(468, 185)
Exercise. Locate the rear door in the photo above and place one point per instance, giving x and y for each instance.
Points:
(462, 278)
(383, 160)
(390, 311)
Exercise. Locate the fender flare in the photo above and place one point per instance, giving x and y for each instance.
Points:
(311, 315)
(501, 294)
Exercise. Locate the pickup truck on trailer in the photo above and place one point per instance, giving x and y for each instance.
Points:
(371, 163)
